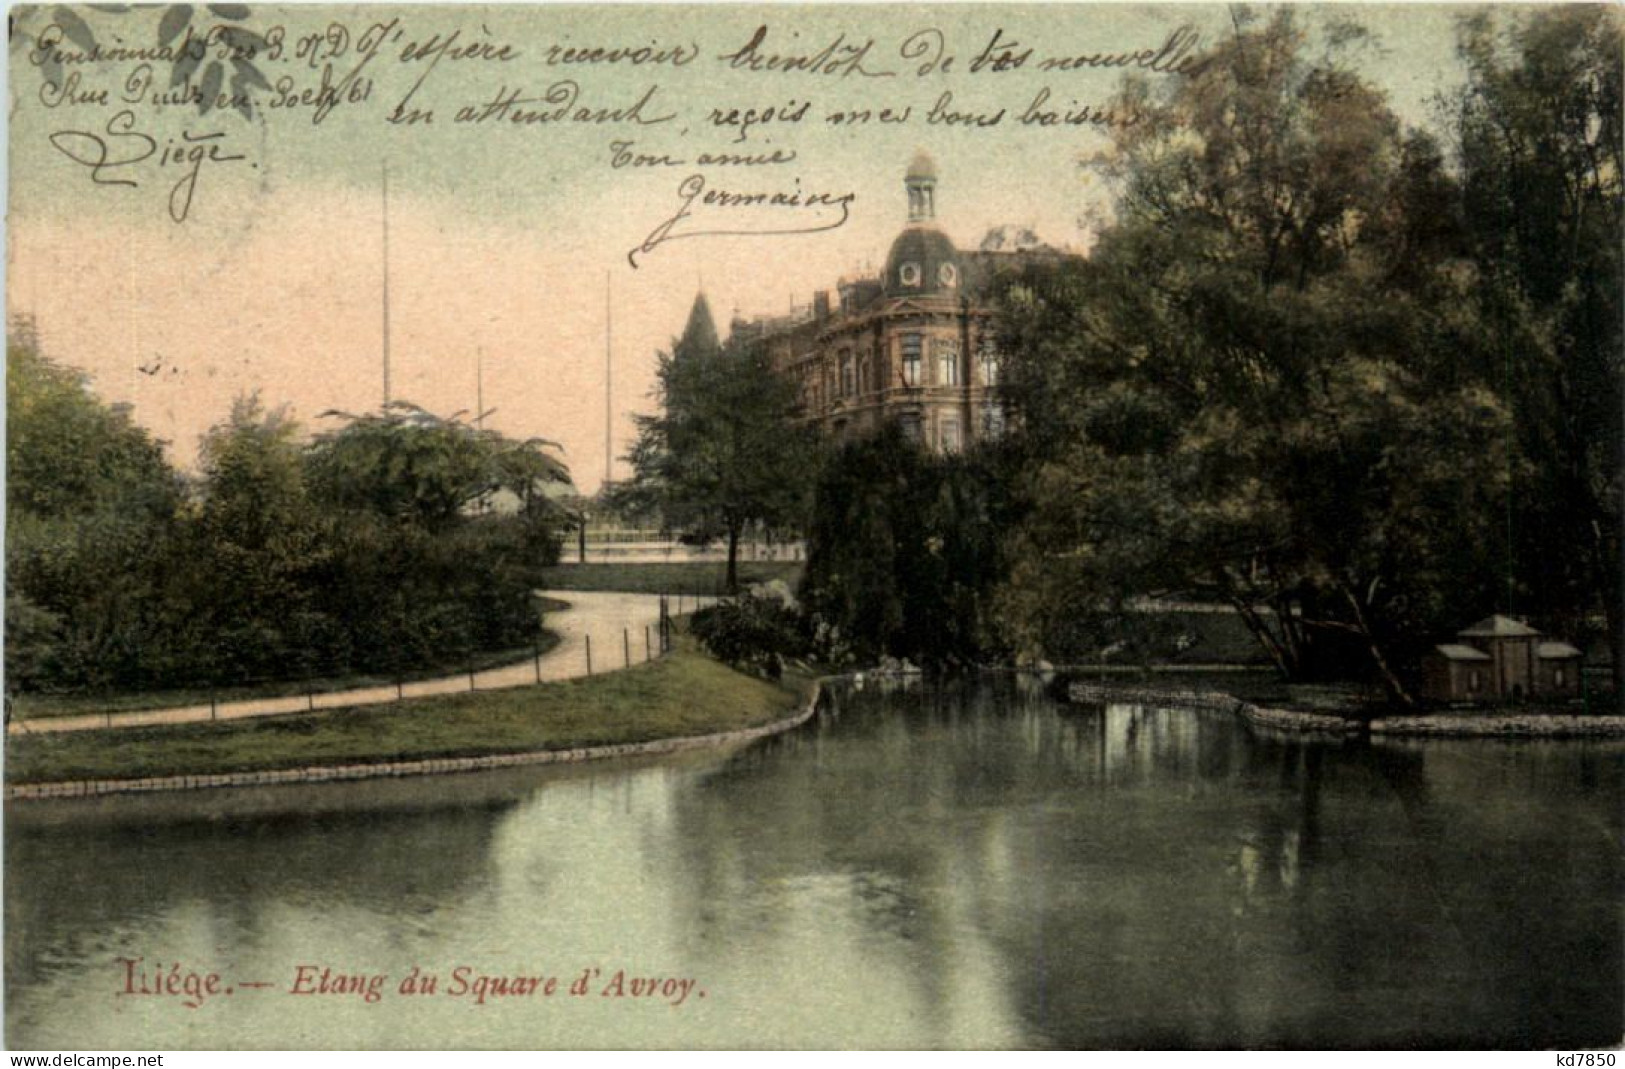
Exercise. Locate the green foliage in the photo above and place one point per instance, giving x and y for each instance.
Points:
(407, 465)
(67, 453)
(903, 551)
(753, 634)
(1543, 185)
(726, 449)
(90, 506)
(1262, 386)
(397, 541)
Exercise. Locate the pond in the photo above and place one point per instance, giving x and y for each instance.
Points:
(960, 866)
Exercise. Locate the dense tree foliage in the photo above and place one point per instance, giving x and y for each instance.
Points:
(92, 513)
(726, 449)
(1543, 162)
(903, 551)
(396, 541)
(1270, 382)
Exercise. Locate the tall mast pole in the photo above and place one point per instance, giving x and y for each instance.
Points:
(386, 283)
(479, 388)
(609, 379)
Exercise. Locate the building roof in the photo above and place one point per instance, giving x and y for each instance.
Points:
(1498, 626)
(1454, 652)
(700, 335)
(1556, 651)
(922, 166)
(928, 248)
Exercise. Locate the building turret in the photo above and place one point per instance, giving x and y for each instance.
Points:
(921, 183)
(700, 335)
(923, 259)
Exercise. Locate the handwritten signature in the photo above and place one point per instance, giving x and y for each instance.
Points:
(112, 153)
(692, 192)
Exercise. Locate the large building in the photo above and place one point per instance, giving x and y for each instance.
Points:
(916, 344)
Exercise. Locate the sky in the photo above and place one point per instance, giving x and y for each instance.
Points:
(508, 244)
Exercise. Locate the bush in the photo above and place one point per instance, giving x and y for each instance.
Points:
(753, 634)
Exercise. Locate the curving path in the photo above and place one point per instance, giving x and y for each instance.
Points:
(601, 617)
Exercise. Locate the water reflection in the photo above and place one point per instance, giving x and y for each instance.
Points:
(919, 866)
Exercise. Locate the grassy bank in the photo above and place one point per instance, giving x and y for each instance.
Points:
(685, 693)
(693, 577)
(38, 706)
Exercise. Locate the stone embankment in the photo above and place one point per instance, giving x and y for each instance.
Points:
(1214, 701)
(387, 769)
(1529, 725)
(1540, 725)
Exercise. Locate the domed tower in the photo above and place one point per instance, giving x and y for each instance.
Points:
(921, 182)
(922, 260)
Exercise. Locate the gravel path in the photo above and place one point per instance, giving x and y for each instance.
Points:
(612, 622)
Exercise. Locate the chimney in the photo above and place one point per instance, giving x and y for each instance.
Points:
(821, 304)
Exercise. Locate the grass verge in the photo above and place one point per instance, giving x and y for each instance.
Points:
(685, 693)
(693, 577)
(40, 706)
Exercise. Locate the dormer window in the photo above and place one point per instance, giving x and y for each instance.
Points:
(909, 274)
(948, 276)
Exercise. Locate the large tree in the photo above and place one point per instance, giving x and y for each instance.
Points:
(91, 510)
(422, 565)
(1543, 168)
(903, 550)
(260, 547)
(1256, 388)
(727, 448)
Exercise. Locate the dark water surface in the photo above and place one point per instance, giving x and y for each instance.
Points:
(965, 867)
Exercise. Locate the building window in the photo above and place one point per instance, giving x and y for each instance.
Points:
(911, 427)
(919, 203)
(992, 421)
(909, 274)
(863, 374)
(913, 346)
(950, 434)
(988, 356)
(948, 275)
(848, 386)
(1557, 676)
(947, 352)
(1474, 681)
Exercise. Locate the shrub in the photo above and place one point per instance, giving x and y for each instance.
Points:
(753, 634)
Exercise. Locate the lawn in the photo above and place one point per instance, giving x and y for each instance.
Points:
(687, 578)
(684, 693)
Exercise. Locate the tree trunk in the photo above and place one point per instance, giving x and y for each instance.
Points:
(1396, 689)
(733, 558)
(1616, 645)
(1612, 613)
(1261, 633)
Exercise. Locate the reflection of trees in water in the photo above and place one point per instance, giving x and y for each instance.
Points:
(1159, 911)
(1523, 838)
(977, 813)
(72, 885)
(1146, 876)
(886, 802)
